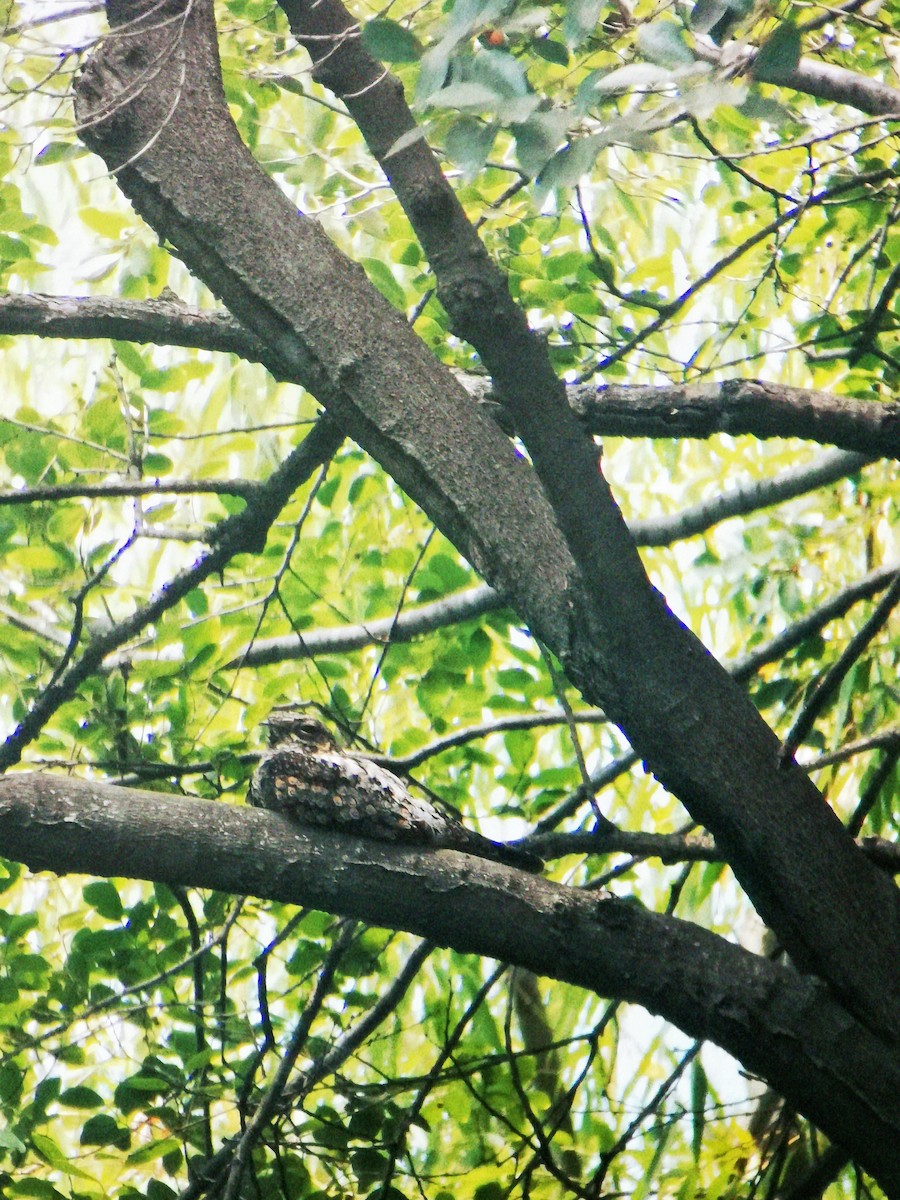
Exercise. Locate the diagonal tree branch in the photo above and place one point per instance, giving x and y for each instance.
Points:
(830, 681)
(482, 312)
(746, 498)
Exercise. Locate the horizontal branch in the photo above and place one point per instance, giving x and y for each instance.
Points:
(670, 848)
(118, 488)
(886, 739)
(740, 406)
(471, 733)
(749, 497)
(828, 82)
(778, 1023)
(163, 321)
(698, 410)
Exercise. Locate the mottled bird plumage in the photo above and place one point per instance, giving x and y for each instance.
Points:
(285, 727)
(306, 776)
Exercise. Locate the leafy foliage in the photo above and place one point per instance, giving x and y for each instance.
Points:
(661, 221)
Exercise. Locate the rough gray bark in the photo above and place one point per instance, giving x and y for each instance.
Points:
(741, 406)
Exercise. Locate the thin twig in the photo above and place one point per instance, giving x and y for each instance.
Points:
(831, 680)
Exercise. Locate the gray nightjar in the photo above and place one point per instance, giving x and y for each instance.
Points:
(304, 775)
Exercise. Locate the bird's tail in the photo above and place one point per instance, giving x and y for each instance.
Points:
(517, 856)
(511, 856)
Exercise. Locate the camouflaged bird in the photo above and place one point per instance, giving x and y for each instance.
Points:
(304, 775)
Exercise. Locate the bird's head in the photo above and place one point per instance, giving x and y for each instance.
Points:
(285, 727)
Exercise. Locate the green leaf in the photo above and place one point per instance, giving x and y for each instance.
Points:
(443, 573)
(108, 224)
(157, 464)
(29, 971)
(433, 68)
(663, 43)
(9, 1141)
(778, 58)
(156, 1190)
(16, 925)
(551, 50)
(51, 1153)
(155, 1150)
(468, 143)
(718, 18)
(80, 1097)
(197, 602)
(55, 152)
(538, 139)
(368, 1165)
(489, 1191)
(102, 1130)
(500, 72)
(568, 166)
(519, 744)
(383, 278)
(133, 1093)
(13, 249)
(462, 96)
(104, 897)
(390, 42)
(580, 19)
(131, 357)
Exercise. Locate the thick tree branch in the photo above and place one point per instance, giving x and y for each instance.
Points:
(828, 82)
(166, 322)
(778, 1023)
(168, 136)
(739, 406)
(385, 387)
